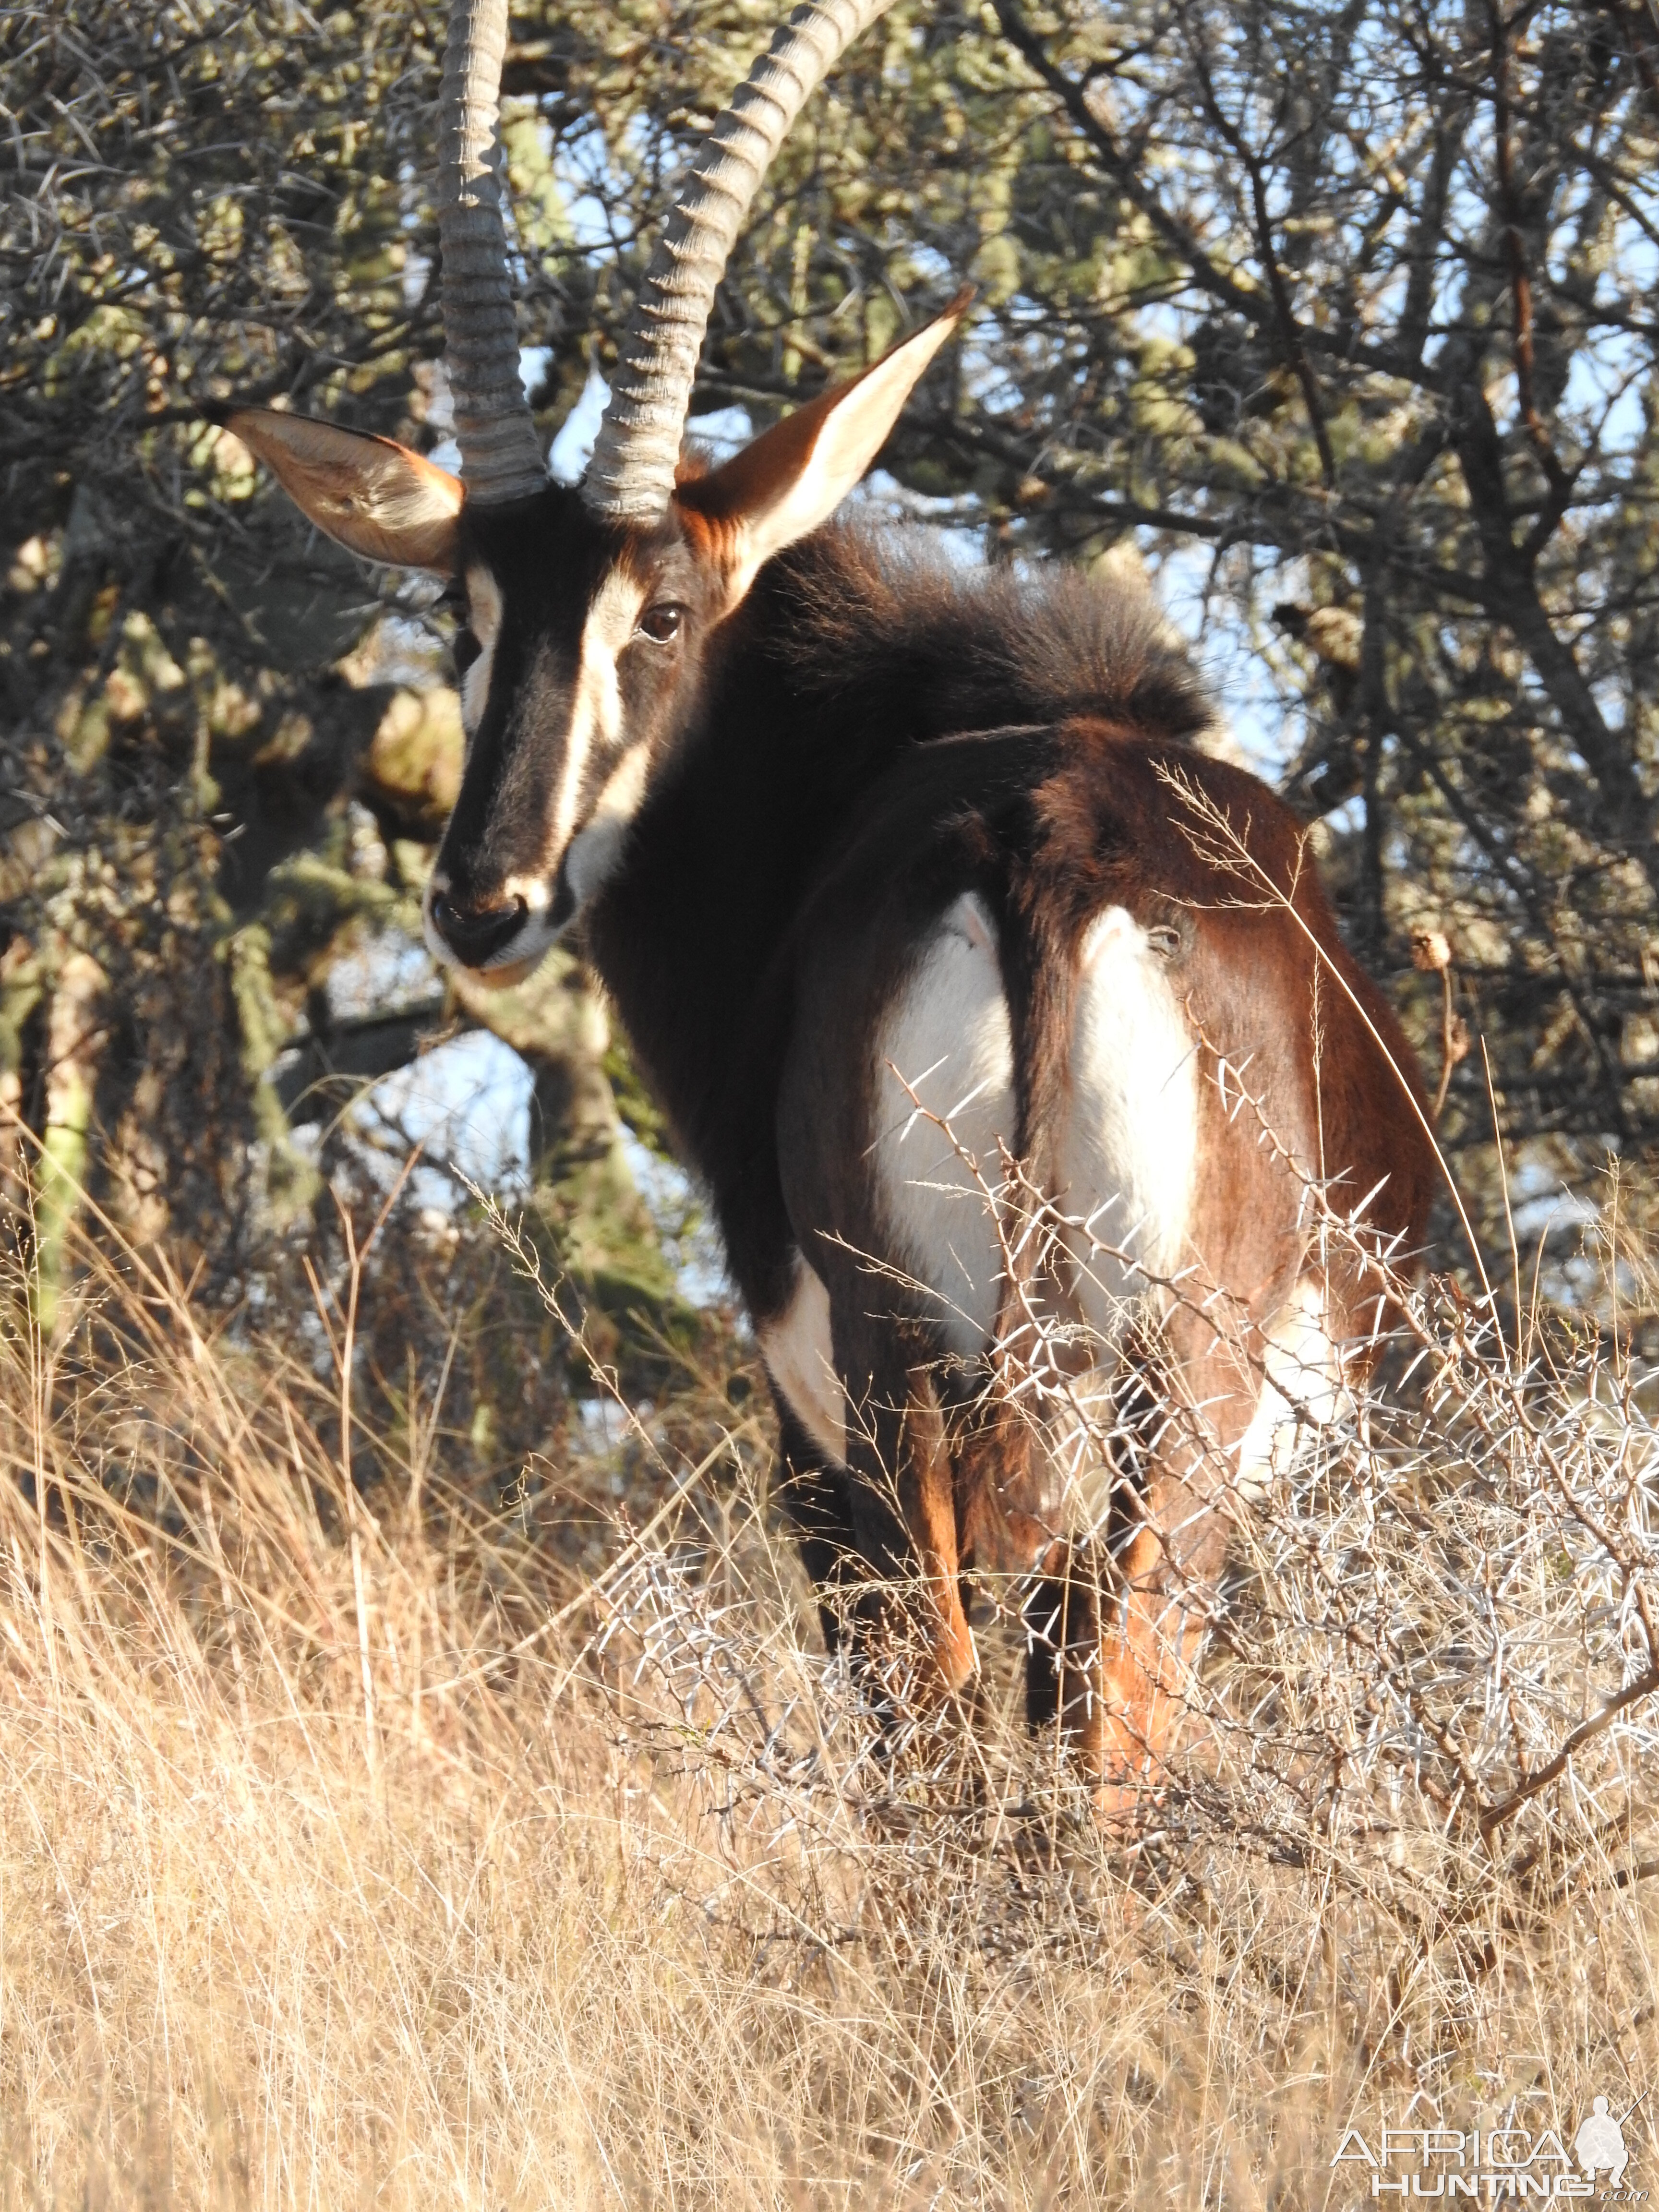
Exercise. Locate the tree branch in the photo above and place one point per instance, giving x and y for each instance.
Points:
(1645, 1686)
(1288, 330)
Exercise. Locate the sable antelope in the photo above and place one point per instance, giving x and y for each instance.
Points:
(862, 847)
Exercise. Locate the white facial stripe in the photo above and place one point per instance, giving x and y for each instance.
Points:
(596, 710)
(593, 851)
(484, 613)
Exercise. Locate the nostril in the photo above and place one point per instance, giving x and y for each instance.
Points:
(476, 934)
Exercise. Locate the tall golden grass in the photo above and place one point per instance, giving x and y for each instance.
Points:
(361, 1845)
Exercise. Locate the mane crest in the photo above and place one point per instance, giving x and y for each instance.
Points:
(874, 608)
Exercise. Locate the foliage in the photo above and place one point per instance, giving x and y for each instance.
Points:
(1347, 302)
(1337, 314)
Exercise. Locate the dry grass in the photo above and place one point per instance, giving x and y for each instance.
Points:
(356, 1848)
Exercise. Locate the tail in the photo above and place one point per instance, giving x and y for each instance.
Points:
(1008, 1505)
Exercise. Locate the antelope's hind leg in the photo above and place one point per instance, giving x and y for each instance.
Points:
(1195, 1396)
(1110, 1642)
(1114, 1621)
(1063, 1612)
(1152, 1631)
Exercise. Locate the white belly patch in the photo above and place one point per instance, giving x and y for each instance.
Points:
(800, 1359)
(1302, 1387)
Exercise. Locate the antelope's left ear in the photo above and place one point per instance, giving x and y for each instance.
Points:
(796, 474)
(372, 495)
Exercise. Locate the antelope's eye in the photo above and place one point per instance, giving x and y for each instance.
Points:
(1164, 939)
(465, 651)
(661, 624)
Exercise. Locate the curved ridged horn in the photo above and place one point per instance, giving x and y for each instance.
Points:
(501, 458)
(632, 471)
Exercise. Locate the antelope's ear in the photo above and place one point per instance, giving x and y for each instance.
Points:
(797, 474)
(373, 496)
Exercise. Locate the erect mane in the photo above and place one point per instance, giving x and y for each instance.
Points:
(884, 609)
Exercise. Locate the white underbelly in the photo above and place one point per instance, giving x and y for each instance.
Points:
(1303, 1388)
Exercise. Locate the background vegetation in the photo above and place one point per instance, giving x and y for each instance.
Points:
(1337, 316)
(373, 1841)
(395, 1799)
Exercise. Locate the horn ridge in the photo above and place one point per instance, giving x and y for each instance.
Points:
(634, 456)
(501, 456)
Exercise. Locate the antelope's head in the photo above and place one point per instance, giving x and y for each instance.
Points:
(588, 612)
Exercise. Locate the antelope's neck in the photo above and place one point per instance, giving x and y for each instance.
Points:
(688, 935)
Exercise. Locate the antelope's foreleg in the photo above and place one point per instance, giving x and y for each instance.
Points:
(913, 1625)
(812, 1490)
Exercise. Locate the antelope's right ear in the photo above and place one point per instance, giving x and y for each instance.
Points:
(371, 495)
